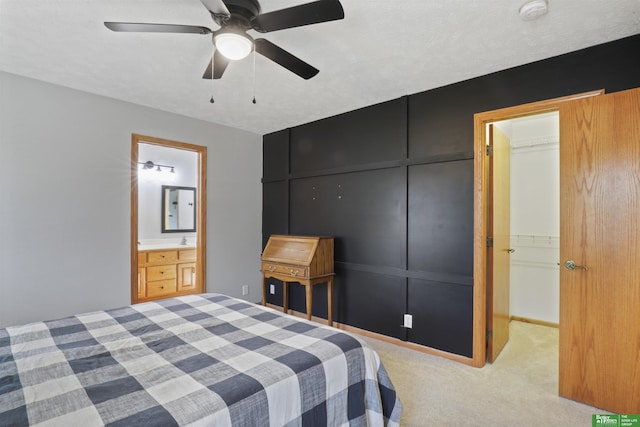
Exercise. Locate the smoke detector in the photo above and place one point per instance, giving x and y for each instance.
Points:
(533, 10)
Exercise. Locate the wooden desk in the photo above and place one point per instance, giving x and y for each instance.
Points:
(307, 260)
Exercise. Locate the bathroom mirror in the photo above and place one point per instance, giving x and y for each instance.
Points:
(178, 209)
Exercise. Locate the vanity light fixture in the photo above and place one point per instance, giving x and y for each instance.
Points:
(150, 165)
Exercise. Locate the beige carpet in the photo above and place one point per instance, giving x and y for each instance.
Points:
(519, 389)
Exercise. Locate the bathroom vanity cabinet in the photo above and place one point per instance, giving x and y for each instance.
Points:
(164, 273)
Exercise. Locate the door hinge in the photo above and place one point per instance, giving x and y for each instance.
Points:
(489, 335)
(489, 242)
(489, 150)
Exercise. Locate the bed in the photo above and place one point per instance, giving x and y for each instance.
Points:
(196, 360)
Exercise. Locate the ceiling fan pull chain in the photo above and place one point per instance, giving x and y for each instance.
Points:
(213, 66)
(254, 74)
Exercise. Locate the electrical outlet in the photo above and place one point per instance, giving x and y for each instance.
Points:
(245, 290)
(272, 289)
(408, 321)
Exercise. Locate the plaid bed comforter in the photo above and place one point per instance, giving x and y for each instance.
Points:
(196, 360)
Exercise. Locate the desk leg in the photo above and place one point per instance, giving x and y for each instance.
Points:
(264, 290)
(285, 297)
(309, 301)
(330, 301)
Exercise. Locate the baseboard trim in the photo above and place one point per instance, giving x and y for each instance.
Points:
(395, 341)
(535, 321)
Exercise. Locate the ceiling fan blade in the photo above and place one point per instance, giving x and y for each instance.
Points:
(284, 58)
(219, 62)
(217, 8)
(297, 16)
(156, 28)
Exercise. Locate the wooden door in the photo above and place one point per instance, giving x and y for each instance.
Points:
(498, 251)
(600, 230)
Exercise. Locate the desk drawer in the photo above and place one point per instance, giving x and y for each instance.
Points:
(284, 269)
(161, 272)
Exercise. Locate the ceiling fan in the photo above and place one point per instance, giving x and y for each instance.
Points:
(235, 18)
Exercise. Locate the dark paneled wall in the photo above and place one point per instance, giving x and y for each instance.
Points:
(393, 183)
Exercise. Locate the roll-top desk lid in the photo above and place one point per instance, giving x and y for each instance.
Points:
(299, 250)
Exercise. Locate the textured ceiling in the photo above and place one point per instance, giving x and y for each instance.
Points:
(382, 50)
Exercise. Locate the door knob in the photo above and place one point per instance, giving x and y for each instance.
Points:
(571, 265)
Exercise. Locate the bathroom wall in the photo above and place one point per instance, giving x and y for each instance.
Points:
(150, 184)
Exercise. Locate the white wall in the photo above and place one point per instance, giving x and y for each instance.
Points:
(150, 190)
(64, 207)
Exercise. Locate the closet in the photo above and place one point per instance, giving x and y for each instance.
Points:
(535, 217)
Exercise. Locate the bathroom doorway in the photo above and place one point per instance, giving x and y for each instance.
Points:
(168, 218)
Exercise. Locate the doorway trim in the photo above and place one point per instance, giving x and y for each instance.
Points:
(201, 205)
(480, 203)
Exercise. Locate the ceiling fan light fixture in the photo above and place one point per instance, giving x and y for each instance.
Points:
(233, 45)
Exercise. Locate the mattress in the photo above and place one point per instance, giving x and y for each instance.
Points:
(195, 360)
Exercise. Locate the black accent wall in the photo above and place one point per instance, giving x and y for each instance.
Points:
(393, 183)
